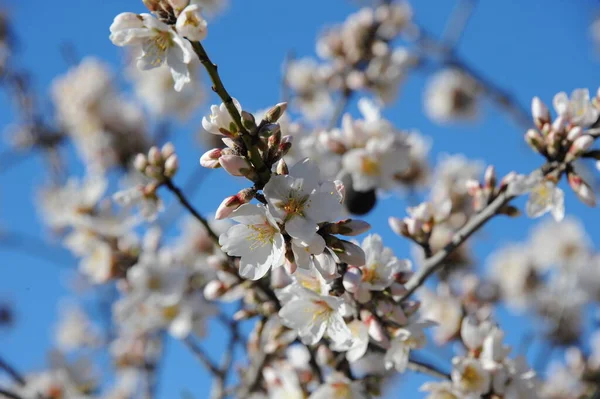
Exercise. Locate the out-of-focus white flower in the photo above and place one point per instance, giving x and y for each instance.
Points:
(301, 202)
(494, 351)
(474, 331)
(282, 381)
(160, 44)
(555, 244)
(578, 109)
(359, 344)
(405, 339)
(441, 390)
(148, 203)
(514, 271)
(75, 330)
(443, 308)
(314, 315)
(307, 79)
(451, 95)
(339, 386)
(257, 240)
(470, 377)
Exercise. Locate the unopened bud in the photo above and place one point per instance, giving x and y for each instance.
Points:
(167, 150)
(214, 289)
(285, 145)
(352, 279)
(282, 168)
(348, 227)
(583, 190)
(171, 165)
(275, 113)
(574, 133)
(228, 205)
(140, 162)
(243, 314)
(535, 140)
(275, 139)
(376, 330)
(154, 156)
(178, 5)
(553, 142)
(490, 177)
(248, 120)
(191, 24)
(398, 290)
(559, 124)
(324, 356)
(540, 112)
(579, 146)
(346, 251)
(398, 226)
(210, 159)
(152, 5)
(235, 165)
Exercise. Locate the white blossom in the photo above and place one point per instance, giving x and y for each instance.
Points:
(160, 44)
(403, 341)
(257, 240)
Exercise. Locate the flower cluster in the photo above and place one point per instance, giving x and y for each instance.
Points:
(162, 36)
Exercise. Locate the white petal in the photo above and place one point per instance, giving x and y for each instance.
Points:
(301, 228)
(337, 329)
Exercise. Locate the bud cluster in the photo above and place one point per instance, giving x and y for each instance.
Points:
(484, 193)
(159, 163)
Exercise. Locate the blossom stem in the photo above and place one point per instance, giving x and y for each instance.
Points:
(255, 157)
(183, 200)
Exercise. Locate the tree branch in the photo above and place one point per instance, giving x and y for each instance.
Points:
(202, 356)
(9, 394)
(12, 372)
(183, 200)
(425, 368)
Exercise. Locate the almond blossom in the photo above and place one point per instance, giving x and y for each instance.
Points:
(257, 240)
(160, 43)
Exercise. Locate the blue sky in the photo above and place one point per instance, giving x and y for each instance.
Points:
(534, 47)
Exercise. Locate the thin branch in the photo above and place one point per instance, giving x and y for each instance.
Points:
(254, 154)
(426, 368)
(9, 394)
(202, 356)
(12, 372)
(436, 261)
(458, 21)
(183, 200)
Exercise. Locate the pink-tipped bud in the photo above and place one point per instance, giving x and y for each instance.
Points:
(579, 146)
(540, 112)
(583, 190)
(559, 124)
(171, 165)
(352, 279)
(214, 290)
(285, 145)
(398, 226)
(350, 253)
(228, 205)
(210, 159)
(235, 165)
(154, 156)
(490, 177)
(140, 162)
(574, 133)
(376, 330)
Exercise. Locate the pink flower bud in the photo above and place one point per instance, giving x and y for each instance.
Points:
(349, 227)
(540, 112)
(376, 330)
(210, 159)
(171, 165)
(583, 190)
(559, 124)
(398, 226)
(579, 146)
(275, 113)
(282, 168)
(235, 165)
(140, 162)
(574, 133)
(352, 279)
(214, 289)
(228, 205)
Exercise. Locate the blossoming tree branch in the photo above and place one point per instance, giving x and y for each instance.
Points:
(331, 316)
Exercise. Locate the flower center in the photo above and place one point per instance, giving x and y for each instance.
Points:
(262, 234)
(471, 379)
(370, 166)
(294, 206)
(170, 312)
(369, 274)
